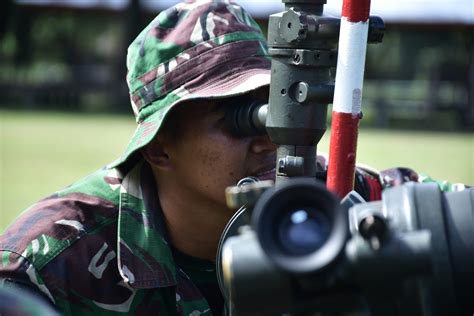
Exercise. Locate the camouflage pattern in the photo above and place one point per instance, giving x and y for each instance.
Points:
(98, 247)
(443, 185)
(196, 49)
(397, 176)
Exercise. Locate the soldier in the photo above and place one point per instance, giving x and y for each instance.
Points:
(140, 235)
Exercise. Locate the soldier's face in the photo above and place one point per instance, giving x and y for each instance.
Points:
(206, 157)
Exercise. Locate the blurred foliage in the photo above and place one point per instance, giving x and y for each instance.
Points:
(38, 73)
(414, 52)
(421, 77)
(63, 35)
(419, 71)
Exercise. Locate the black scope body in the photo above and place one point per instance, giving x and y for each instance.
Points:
(304, 251)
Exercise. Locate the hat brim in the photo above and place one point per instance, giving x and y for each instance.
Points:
(236, 84)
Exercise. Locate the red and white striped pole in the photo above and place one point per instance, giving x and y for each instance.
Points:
(348, 95)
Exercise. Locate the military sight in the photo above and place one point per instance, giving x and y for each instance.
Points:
(293, 247)
(300, 250)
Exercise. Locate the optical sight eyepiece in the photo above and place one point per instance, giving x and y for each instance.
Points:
(247, 119)
(300, 225)
(303, 230)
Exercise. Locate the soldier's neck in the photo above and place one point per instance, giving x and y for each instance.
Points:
(194, 224)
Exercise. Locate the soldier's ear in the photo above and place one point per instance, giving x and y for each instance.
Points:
(156, 155)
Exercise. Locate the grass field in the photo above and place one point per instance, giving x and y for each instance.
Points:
(43, 152)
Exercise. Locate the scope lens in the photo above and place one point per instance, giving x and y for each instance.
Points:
(303, 231)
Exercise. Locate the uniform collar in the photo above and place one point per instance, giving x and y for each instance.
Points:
(145, 259)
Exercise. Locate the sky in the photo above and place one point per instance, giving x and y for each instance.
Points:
(428, 11)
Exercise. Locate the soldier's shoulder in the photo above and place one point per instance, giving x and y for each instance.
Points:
(55, 223)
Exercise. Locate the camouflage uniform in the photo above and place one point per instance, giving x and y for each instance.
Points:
(99, 247)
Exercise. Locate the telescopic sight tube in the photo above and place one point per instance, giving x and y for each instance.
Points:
(303, 53)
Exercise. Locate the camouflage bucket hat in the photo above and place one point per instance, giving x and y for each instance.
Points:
(194, 50)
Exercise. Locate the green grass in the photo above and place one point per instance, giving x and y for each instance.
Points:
(43, 152)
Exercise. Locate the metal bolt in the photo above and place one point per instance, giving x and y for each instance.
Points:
(247, 180)
(293, 26)
(303, 91)
(373, 228)
(297, 58)
(281, 165)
